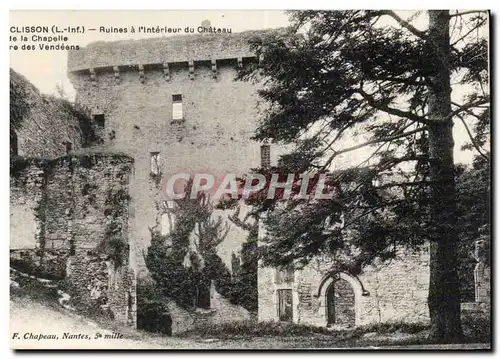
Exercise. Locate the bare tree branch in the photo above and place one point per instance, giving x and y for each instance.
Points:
(468, 111)
(403, 23)
(378, 140)
(235, 218)
(469, 12)
(464, 107)
(468, 32)
(471, 137)
(390, 110)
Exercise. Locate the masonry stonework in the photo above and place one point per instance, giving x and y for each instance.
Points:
(47, 115)
(384, 292)
(70, 221)
(213, 136)
(173, 102)
(482, 279)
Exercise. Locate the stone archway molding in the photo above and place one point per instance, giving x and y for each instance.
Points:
(357, 287)
(353, 280)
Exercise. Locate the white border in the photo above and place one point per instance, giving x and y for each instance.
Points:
(144, 4)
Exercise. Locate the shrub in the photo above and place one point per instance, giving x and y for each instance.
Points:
(152, 312)
(254, 329)
(391, 327)
(477, 328)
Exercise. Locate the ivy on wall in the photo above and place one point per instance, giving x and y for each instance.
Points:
(19, 105)
(114, 244)
(23, 100)
(185, 274)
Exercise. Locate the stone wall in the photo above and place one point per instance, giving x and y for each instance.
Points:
(220, 115)
(173, 49)
(49, 123)
(76, 209)
(386, 292)
(481, 307)
(26, 192)
(221, 311)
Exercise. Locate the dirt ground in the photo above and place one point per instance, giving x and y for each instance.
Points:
(30, 318)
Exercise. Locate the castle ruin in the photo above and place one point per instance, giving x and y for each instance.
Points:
(168, 105)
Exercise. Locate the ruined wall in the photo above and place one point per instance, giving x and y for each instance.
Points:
(79, 209)
(481, 307)
(393, 291)
(48, 124)
(221, 311)
(172, 49)
(220, 115)
(26, 192)
(398, 289)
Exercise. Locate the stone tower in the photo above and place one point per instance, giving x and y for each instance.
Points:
(172, 104)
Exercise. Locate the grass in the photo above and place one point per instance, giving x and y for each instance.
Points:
(31, 288)
(251, 334)
(266, 329)
(381, 334)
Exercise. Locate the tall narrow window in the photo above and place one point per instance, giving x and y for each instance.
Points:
(155, 163)
(69, 147)
(285, 305)
(177, 107)
(99, 121)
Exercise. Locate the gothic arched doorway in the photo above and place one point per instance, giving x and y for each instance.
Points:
(340, 303)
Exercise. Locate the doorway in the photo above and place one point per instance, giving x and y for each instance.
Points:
(285, 305)
(340, 304)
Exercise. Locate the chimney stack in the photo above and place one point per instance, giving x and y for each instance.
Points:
(265, 156)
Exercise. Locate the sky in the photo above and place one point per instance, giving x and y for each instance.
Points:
(48, 69)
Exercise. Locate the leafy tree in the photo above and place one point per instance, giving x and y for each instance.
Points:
(335, 74)
(245, 281)
(245, 274)
(185, 262)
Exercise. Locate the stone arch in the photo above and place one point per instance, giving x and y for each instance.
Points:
(356, 286)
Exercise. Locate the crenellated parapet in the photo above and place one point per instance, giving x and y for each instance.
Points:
(188, 52)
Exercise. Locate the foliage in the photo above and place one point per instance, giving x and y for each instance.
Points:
(153, 314)
(167, 269)
(19, 106)
(473, 200)
(114, 245)
(244, 290)
(182, 272)
(254, 329)
(244, 281)
(338, 78)
(374, 75)
(477, 329)
(22, 101)
(86, 125)
(282, 329)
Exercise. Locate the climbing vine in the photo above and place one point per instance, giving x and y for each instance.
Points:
(185, 273)
(114, 244)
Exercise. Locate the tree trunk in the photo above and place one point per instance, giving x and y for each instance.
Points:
(444, 293)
